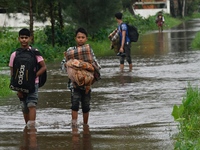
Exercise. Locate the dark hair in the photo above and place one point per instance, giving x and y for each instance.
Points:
(82, 30)
(119, 15)
(24, 31)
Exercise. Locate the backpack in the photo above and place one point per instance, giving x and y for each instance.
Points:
(42, 77)
(132, 33)
(24, 71)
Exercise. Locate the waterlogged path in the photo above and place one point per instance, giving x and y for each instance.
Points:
(130, 110)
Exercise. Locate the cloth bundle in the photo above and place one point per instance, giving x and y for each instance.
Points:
(81, 73)
(81, 53)
(114, 38)
(81, 66)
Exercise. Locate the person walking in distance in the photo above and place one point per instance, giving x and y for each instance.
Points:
(125, 44)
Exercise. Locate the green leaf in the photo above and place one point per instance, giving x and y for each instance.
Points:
(177, 112)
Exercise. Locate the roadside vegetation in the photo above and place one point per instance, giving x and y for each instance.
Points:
(188, 116)
(196, 42)
(4, 83)
(195, 45)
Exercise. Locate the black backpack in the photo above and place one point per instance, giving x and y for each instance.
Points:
(132, 33)
(25, 67)
(43, 77)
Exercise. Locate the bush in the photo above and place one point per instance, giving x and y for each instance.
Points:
(188, 116)
(63, 37)
(4, 86)
(9, 43)
(196, 42)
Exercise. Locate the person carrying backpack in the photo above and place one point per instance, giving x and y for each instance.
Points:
(25, 75)
(160, 22)
(125, 43)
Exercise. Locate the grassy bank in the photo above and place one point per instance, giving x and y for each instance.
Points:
(195, 45)
(196, 42)
(4, 86)
(188, 113)
(188, 116)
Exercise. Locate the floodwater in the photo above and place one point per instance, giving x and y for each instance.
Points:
(129, 110)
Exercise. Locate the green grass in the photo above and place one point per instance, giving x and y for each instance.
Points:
(101, 48)
(188, 116)
(196, 42)
(4, 86)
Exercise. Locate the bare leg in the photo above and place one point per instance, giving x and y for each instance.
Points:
(30, 117)
(32, 113)
(85, 117)
(74, 117)
(121, 67)
(26, 117)
(130, 67)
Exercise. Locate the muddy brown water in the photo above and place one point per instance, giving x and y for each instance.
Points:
(129, 110)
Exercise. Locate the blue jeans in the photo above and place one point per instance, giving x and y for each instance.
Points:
(29, 100)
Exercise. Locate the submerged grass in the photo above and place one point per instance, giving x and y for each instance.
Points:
(188, 116)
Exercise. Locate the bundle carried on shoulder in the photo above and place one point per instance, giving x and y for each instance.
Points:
(114, 38)
(81, 53)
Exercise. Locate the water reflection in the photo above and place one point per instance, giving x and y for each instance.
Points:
(84, 142)
(29, 139)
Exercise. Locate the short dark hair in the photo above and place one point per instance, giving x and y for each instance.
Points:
(82, 30)
(119, 15)
(24, 31)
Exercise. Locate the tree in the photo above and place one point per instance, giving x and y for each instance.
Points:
(92, 14)
(127, 4)
(172, 8)
(20, 7)
(50, 9)
(187, 7)
(31, 19)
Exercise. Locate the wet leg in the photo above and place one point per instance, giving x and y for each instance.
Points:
(26, 117)
(130, 67)
(85, 117)
(32, 113)
(31, 116)
(74, 117)
(121, 67)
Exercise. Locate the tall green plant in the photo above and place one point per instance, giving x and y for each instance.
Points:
(9, 43)
(4, 86)
(196, 42)
(188, 116)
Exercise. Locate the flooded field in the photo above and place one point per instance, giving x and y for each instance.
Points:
(129, 110)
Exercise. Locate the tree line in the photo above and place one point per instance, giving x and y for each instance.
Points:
(182, 8)
(90, 14)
